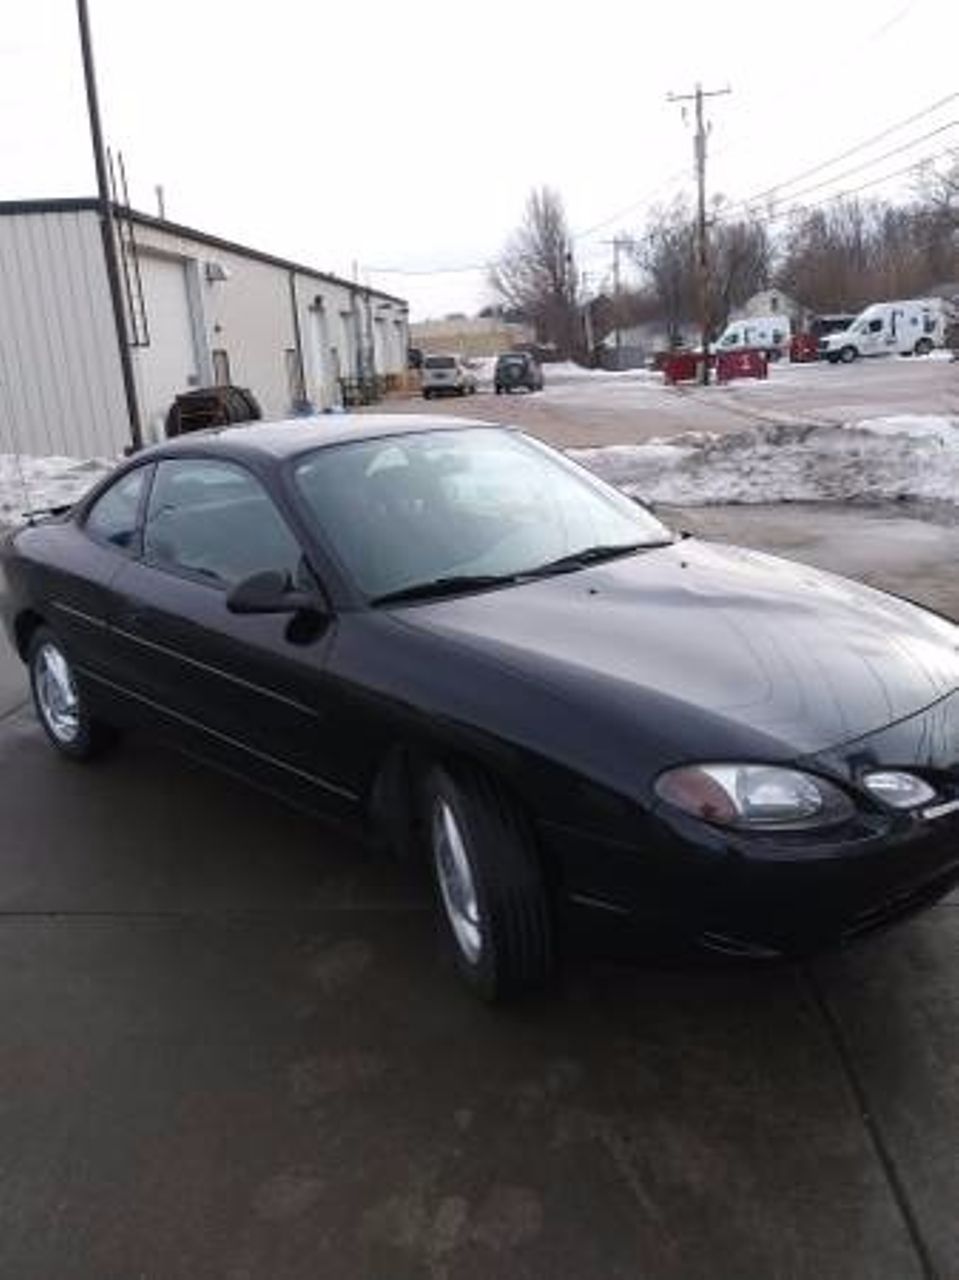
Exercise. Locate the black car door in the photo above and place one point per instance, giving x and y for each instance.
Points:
(84, 557)
(243, 689)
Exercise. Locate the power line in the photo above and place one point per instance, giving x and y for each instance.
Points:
(642, 203)
(767, 219)
(851, 151)
(427, 271)
(630, 208)
(859, 168)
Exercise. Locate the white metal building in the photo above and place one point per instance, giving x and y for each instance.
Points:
(198, 311)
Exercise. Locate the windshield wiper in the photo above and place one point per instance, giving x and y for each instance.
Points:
(454, 583)
(591, 555)
(447, 586)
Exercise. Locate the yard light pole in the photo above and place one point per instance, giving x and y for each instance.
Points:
(105, 206)
(702, 245)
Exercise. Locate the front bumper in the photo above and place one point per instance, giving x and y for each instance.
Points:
(751, 898)
(663, 874)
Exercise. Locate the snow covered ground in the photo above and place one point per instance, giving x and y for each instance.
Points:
(876, 459)
(33, 484)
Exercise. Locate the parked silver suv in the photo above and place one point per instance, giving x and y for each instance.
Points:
(442, 373)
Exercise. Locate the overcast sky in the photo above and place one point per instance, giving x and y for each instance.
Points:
(407, 135)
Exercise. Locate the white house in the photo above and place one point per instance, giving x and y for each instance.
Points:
(773, 302)
(197, 310)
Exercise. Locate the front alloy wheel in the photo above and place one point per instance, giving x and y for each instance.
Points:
(492, 896)
(454, 876)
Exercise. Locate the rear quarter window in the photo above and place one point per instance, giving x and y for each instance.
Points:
(114, 517)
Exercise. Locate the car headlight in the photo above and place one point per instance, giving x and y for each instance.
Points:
(901, 790)
(759, 797)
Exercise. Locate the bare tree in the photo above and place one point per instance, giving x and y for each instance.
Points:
(740, 257)
(843, 256)
(739, 264)
(536, 273)
(666, 252)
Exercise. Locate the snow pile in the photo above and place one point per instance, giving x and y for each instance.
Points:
(33, 484)
(912, 456)
(878, 459)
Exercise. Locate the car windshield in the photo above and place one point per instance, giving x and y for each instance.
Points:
(440, 362)
(475, 503)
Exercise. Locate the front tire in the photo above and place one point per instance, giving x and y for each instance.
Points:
(848, 354)
(492, 897)
(923, 347)
(59, 703)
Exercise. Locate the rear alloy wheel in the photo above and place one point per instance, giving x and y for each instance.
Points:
(491, 893)
(923, 347)
(848, 354)
(59, 703)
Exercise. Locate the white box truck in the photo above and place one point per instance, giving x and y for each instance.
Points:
(912, 326)
(757, 333)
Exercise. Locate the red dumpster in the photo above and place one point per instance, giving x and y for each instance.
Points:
(803, 348)
(741, 364)
(681, 366)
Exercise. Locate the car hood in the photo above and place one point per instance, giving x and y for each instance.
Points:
(796, 655)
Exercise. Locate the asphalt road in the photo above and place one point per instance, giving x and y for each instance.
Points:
(629, 408)
(232, 1048)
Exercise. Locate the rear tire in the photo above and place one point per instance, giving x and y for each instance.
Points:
(427, 394)
(59, 703)
(492, 898)
(923, 347)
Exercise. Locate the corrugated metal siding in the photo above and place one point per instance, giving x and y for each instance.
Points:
(61, 387)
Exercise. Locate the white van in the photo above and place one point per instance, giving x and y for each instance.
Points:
(913, 326)
(757, 333)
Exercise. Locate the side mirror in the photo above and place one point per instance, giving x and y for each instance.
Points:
(270, 591)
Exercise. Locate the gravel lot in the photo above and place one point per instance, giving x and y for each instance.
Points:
(628, 408)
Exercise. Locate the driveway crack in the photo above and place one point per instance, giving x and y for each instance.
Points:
(871, 1123)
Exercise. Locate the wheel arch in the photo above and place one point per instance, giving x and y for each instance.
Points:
(393, 808)
(25, 626)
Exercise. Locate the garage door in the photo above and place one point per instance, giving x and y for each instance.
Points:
(169, 364)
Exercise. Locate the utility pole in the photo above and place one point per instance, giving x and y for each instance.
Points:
(105, 205)
(702, 243)
(587, 314)
(618, 242)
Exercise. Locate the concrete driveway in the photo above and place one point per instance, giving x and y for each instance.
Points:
(632, 407)
(232, 1048)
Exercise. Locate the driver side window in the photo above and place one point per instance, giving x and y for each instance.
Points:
(214, 521)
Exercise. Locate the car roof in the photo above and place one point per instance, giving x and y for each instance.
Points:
(289, 437)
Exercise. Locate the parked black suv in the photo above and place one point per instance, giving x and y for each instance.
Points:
(517, 369)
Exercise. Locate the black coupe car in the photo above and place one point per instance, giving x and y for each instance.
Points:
(452, 634)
